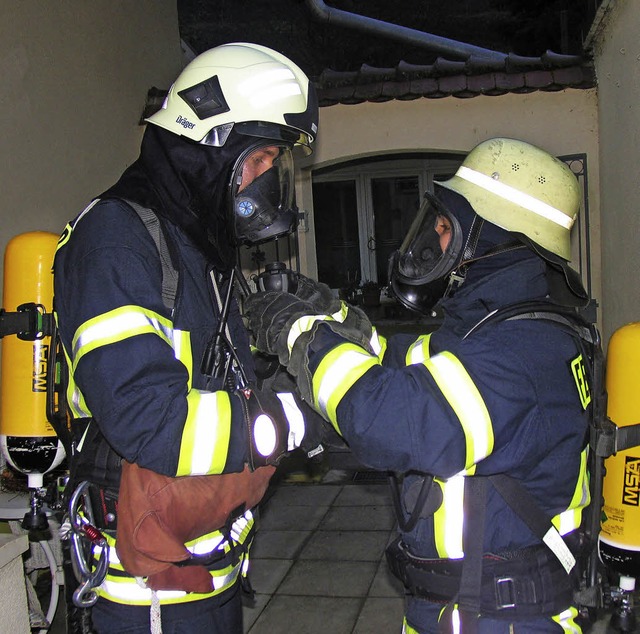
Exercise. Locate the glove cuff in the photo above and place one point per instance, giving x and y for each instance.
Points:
(274, 424)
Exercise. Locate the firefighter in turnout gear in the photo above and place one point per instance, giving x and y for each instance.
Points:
(484, 421)
(162, 381)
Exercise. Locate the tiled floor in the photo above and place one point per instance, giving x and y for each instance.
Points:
(318, 561)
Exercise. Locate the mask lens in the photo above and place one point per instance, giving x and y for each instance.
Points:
(429, 248)
(263, 202)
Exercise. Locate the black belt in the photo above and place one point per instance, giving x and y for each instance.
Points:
(104, 503)
(522, 584)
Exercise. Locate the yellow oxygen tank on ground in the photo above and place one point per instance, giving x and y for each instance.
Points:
(27, 439)
(619, 542)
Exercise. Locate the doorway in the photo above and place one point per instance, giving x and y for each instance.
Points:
(363, 210)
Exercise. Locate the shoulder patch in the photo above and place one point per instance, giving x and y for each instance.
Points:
(579, 371)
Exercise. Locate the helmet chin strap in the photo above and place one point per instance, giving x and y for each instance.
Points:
(459, 274)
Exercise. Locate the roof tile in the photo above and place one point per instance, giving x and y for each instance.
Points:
(464, 79)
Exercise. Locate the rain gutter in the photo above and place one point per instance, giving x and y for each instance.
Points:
(441, 45)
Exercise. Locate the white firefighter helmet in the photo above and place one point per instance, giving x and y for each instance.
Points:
(523, 189)
(247, 87)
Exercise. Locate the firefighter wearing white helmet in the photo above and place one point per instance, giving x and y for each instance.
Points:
(245, 87)
(484, 420)
(162, 378)
(255, 92)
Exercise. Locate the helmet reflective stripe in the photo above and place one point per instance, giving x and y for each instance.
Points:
(519, 198)
(269, 87)
(206, 433)
(460, 391)
(523, 189)
(336, 375)
(448, 519)
(234, 86)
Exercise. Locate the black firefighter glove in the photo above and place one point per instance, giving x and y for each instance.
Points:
(273, 376)
(271, 316)
(319, 295)
(276, 425)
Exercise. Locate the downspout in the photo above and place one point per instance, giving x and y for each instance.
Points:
(442, 45)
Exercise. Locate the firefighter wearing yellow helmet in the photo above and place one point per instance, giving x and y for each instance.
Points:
(484, 421)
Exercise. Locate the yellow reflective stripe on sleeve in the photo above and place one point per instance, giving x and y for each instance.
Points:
(378, 344)
(418, 352)
(336, 374)
(302, 325)
(407, 629)
(75, 399)
(448, 518)
(76, 402)
(566, 621)
(460, 391)
(452, 615)
(571, 519)
(182, 352)
(206, 433)
(68, 230)
(179, 340)
(306, 322)
(118, 325)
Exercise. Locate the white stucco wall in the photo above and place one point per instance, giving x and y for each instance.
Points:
(562, 122)
(74, 81)
(617, 59)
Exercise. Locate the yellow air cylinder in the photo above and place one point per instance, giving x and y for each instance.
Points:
(620, 529)
(28, 440)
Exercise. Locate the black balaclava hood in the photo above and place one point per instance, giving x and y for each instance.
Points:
(187, 183)
(491, 238)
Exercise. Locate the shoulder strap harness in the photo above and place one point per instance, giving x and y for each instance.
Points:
(605, 439)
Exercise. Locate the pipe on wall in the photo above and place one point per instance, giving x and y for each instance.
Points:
(323, 13)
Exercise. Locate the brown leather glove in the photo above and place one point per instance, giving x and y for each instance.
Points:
(158, 514)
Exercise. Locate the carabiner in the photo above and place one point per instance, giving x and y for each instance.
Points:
(83, 534)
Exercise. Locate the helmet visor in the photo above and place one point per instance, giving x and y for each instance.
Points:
(263, 194)
(432, 244)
